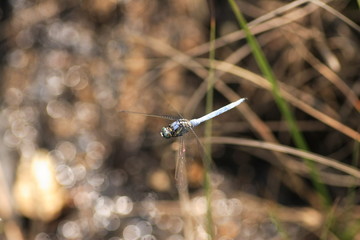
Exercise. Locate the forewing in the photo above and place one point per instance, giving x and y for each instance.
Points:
(151, 115)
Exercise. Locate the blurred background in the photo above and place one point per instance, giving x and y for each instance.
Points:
(73, 167)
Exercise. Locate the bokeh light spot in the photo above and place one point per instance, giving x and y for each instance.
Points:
(131, 232)
(199, 205)
(65, 175)
(144, 227)
(123, 205)
(148, 237)
(71, 230)
(42, 236)
(104, 206)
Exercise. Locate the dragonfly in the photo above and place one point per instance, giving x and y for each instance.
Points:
(181, 126)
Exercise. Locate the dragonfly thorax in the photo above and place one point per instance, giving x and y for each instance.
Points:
(176, 129)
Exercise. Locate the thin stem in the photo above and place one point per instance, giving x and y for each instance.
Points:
(280, 101)
(208, 124)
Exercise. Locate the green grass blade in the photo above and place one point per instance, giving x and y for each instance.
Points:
(208, 124)
(281, 103)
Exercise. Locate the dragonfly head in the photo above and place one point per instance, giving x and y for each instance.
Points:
(166, 132)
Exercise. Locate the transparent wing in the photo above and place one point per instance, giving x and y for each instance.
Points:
(206, 156)
(180, 170)
(151, 115)
(182, 186)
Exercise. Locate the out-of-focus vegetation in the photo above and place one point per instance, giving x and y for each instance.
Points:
(73, 167)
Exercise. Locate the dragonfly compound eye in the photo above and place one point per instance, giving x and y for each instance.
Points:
(166, 132)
